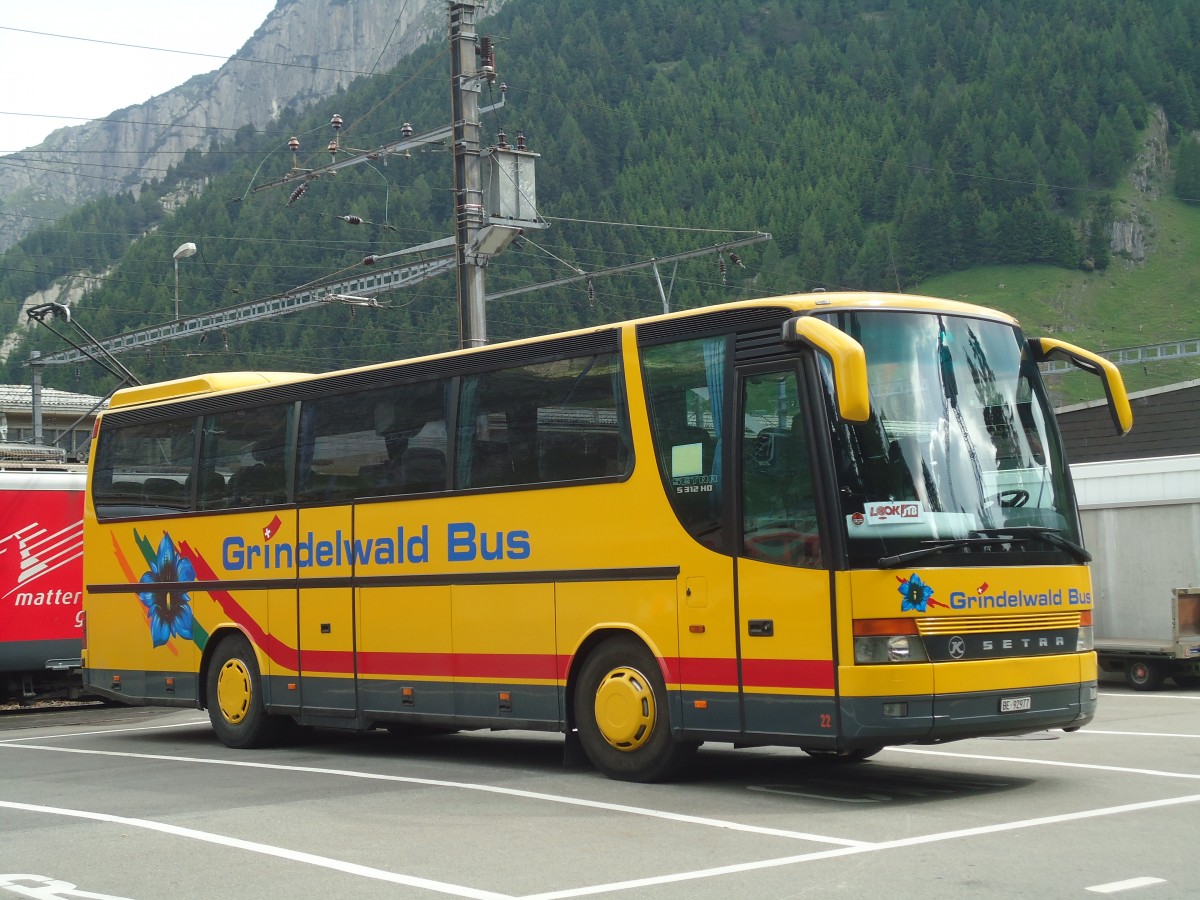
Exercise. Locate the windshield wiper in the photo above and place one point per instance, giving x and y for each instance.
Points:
(1048, 535)
(932, 548)
(986, 537)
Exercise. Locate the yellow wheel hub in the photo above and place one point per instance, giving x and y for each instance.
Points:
(234, 692)
(625, 712)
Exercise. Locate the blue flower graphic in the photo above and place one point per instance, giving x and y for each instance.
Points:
(915, 592)
(170, 610)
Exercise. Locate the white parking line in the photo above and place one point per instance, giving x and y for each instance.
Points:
(255, 847)
(462, 891)
(42, 737)
(1126, 770)
(1127, 884)
(842, 847)
(1158, 734)
(848, 851)
(459, 785)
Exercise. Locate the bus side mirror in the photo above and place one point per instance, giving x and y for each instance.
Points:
(1044, 349)
(847, 356)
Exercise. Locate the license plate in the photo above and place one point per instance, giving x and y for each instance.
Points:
(1015, 704)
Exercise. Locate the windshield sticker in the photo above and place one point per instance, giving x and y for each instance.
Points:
(887, 512)
(917, 594)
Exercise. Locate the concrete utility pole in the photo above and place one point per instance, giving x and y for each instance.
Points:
(467, 71)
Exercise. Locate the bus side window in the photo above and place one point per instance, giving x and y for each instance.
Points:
(379, 442)
(685, 391)
(550, 422)
(244, 458)
(142, 470)
(779, 515)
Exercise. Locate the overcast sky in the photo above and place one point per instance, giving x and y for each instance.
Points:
(51, 78)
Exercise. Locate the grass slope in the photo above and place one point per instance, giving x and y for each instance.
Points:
(1130, 304)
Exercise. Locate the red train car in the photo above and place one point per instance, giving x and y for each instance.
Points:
(41, 578)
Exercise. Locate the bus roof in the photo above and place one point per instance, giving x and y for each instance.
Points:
(876, 300)
(198, 384)
(819, 301)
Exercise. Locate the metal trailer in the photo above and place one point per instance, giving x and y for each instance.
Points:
(1141, 522)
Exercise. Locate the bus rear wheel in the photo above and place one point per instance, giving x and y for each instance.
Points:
(235, 700)
(622, 716)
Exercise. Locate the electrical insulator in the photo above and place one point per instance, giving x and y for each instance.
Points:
(591, 291)
(721, 266)
(520, 140)
(406, 130)
(370, 260)
(736, 260)
(501, 140)
(333, 149)
(297, 193)
(504, 87)
(336, 122)
(351, 220)
(487, 58)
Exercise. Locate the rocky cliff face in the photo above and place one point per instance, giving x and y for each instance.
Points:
(1131, 235)
(304, 51)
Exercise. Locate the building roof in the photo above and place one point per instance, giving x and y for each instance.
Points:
(19, 398)
(1166, 422)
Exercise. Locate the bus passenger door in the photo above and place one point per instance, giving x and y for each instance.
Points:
(785, 626)
(327, 648)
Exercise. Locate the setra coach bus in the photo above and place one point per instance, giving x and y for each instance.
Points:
(828, 521)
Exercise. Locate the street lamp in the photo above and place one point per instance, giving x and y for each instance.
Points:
(184, 251)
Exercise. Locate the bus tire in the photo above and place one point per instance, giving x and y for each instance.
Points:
(622, 714)
(235, 699)
(1144, 675)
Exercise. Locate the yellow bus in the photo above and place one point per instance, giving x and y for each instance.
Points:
(828, 521)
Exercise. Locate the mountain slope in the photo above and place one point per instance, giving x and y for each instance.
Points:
(881, 142)
(304, 51)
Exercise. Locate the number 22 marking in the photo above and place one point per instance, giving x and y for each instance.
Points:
(826, 720)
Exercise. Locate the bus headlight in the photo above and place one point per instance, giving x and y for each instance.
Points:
(888, 648)
(1085, 641)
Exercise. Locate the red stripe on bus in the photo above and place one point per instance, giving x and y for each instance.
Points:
(714, 671)
(527, 666)
(332, 662)
(428, 665)
(787, 673)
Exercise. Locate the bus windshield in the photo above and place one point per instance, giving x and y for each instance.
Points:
(960, 455)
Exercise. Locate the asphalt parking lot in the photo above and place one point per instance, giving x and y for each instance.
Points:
(138, 803)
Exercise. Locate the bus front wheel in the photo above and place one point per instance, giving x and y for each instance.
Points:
(234, 695)
(622, 716)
